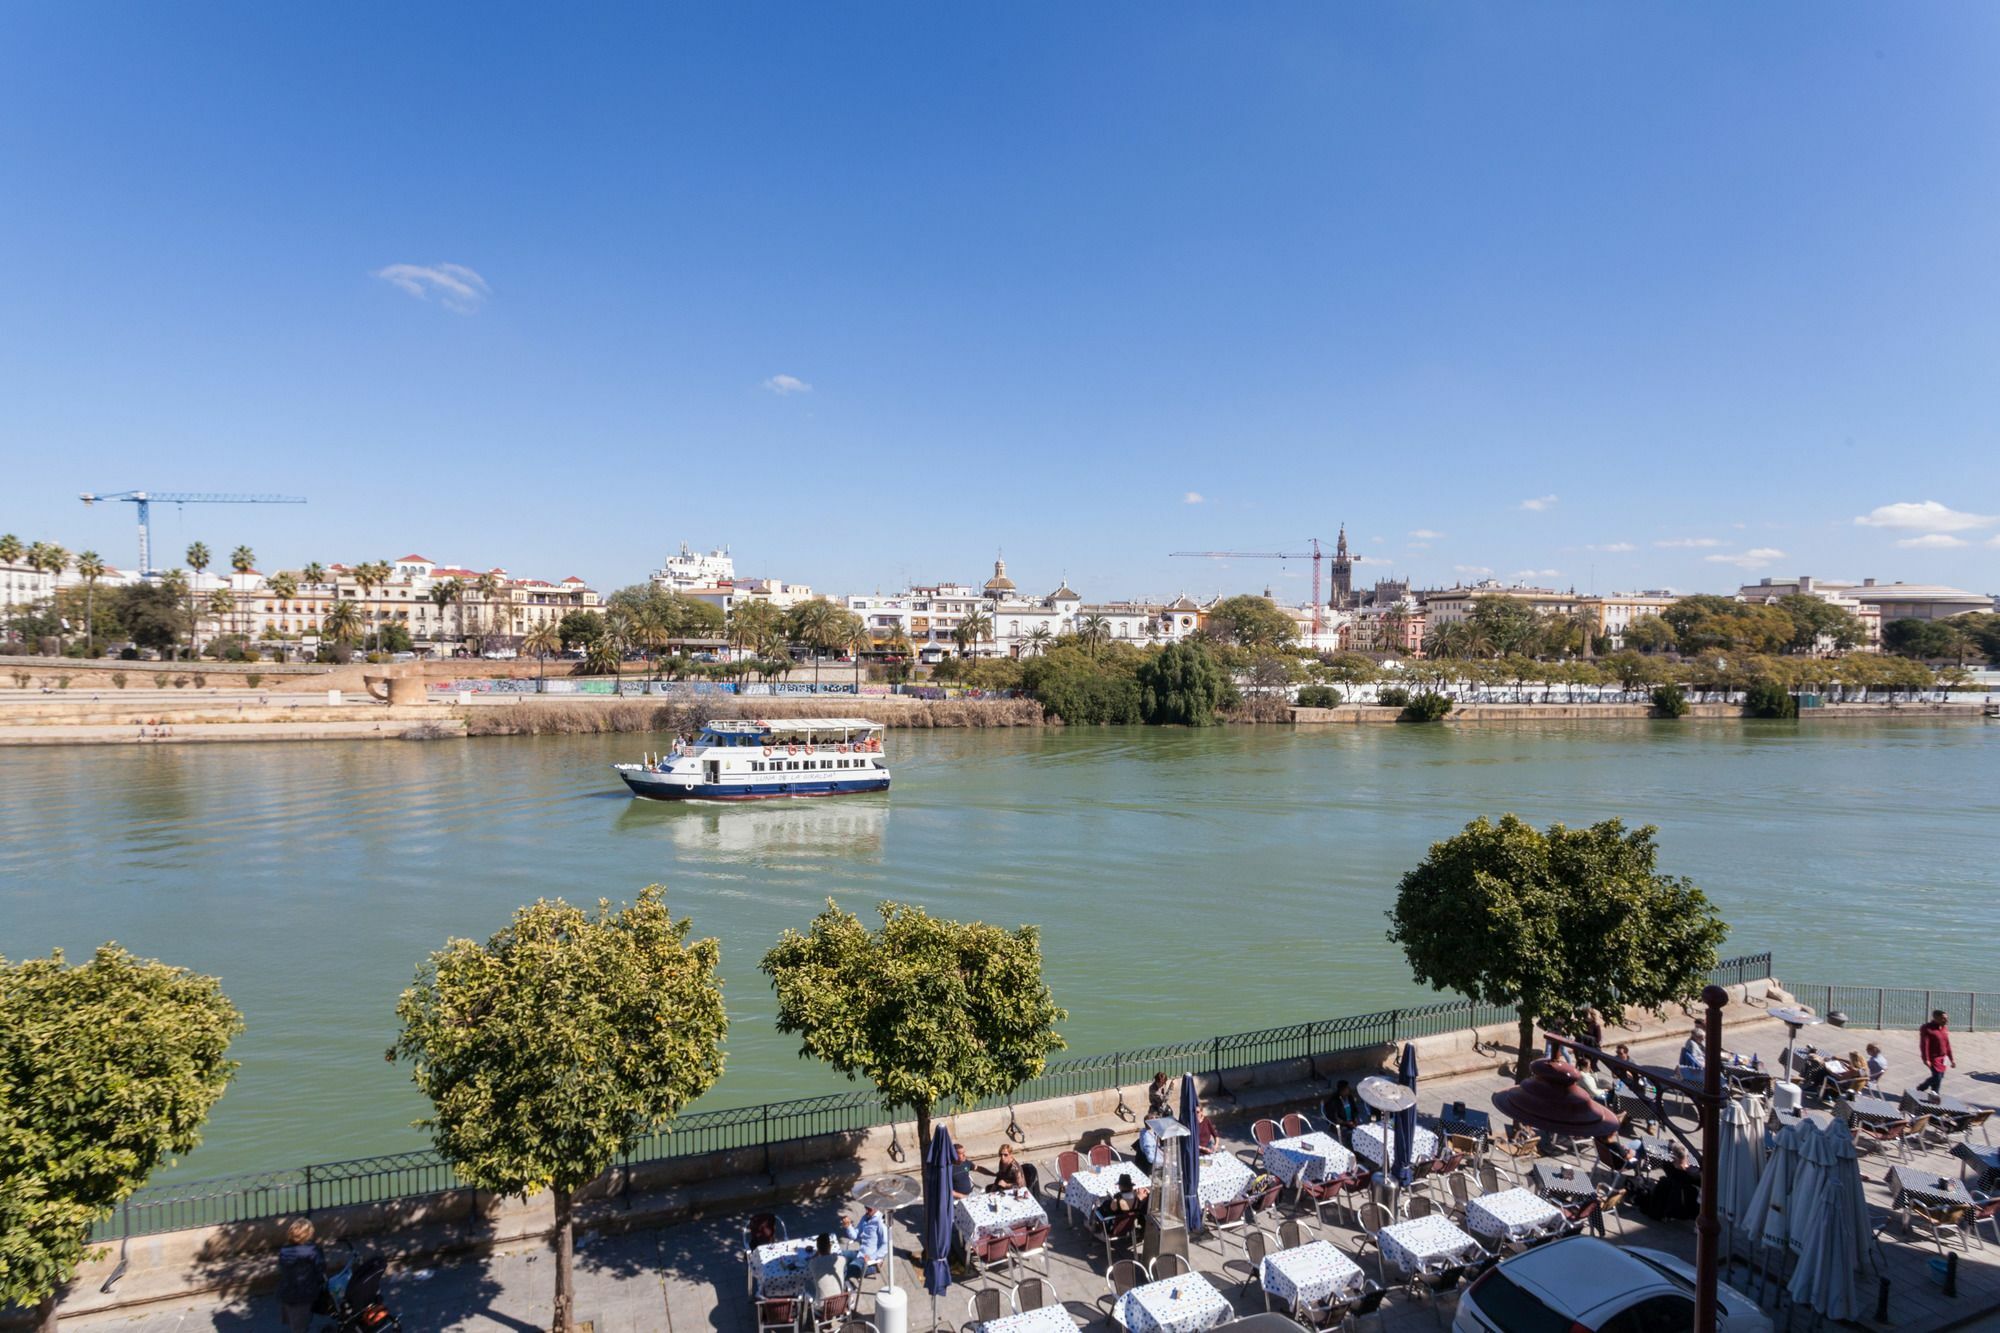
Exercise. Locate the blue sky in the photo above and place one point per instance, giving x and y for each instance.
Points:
(869, 292)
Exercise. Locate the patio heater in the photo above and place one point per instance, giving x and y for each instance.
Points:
(886, 1194)
(1552, 1101)
(1166, 1210)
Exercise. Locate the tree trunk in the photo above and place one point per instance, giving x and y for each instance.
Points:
(1527, 1039)
(565, 1244)
(45, 1313)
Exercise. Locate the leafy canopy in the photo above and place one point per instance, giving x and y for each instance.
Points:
(1249, 622)
(548, 1049)
(1554, 922)
(107, 1071)
(932, 1012)
(1181, 685)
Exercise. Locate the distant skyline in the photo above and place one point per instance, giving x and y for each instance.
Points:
(1672, 296)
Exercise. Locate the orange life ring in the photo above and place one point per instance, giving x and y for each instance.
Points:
(809, 749)
(767, 752)
(843, 749)
(791, 749)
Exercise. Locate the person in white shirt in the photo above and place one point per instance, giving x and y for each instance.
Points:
(1692, 1056)
(1878, 1065)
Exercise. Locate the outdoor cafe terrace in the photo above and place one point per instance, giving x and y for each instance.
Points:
(701, 1275)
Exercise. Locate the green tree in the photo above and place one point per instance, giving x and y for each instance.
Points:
(976, 627)
(1038, 640)
(549, 1049)
(314, 574)
(543, 642)
(107, 1072)
(755, 626)
(1550, 923)
(342, 622)
(11, 552)
(1817, 623)
(1249, 622)
(1925, 640)
(932, 1012)
(601, 656)
(198, 560)
(90, 567)
(1504, 626)
(1093, 631)
(1768, 697)
(578, 628)
(1649, 634)
(1669, 700)
(442, 594)
(1181, 685)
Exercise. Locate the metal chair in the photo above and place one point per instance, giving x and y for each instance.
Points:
(1370, 1219)
(1294, 1125)
(779, 1312)
(1224, 1218)
(1612, 1206)
(830, 1312)
(1103, 1154)
(1418, 1206)
(989, 1250)
(1256, 1244)
(1293, 1233)
(1032, 1294)
(1029, 1242)
(1068, 1162)
(1953, 1223)
(1170, 1265)
(985, 1303)
(1112, 1229)
(1123, 1276)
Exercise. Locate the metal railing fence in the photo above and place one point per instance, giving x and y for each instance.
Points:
(388, 1178)
(1895, 1007)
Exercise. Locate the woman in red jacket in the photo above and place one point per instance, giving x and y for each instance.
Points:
(1934, 1048)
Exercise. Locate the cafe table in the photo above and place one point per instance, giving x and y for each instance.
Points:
(1320, 1156)
(1557, 1179)
(780, 1267)
(1368, 1143)
(1188, 1303)
(1048, 1319)
(987, 1214)
(1411, 1246)
(1515, 1214)
(1307, 1274)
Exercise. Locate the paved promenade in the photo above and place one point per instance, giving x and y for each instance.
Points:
(690, 1278)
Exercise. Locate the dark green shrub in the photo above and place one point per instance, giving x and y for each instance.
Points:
(1767, 698)
(1669, 701)
(1429, 706)
(1392, 696)
(1318, 696)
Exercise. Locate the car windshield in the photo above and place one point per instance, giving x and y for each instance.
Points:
(1508, 1305)
(1681, 1283)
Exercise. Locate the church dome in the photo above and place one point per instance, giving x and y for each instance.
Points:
(999, 582)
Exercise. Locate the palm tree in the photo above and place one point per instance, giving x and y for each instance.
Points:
(314, 574)
(856, 639)
(754, 625)
(241, 561)
(221, 604)
(976, 626)
(442, 594)
(90, 565)
(1038, 641)
(543, 642)
(11, 551)
(284, 585)
(342, 622)
(813, 624)
(602, 657)
(649, 629)
(368, 576)
(50, 559)
(198, 560)
(488, 585)
(1094, 631)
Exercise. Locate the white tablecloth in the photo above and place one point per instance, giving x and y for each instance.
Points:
(1922, 1185)
(1222, 1179)
(1320, 1154)
(986, 1213)
(1311, 1272)
(781, 1267)
(1156, 1308)
(1510, 1214)
(1087, 1189)
(1048, 1319)
(1408, 1246)
(1368, 1144)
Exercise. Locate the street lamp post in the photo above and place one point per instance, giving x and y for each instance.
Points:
(1551, 1101)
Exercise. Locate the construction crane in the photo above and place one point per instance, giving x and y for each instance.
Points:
(146, 499)
(1312, 554)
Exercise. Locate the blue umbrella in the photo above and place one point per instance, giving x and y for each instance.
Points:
(1190, 1149)
(1405, 1144)
(939, 1159)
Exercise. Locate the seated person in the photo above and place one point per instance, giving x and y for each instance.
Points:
(827, 1269)
(1159, 1097)
(1132, 1197)
(1693, 1058)
(1878, 1065)
(1147, 1148)
(1676, 1195)
(870, 1235)
(1210, 1138)
(1343, 1109)
(1006, 1172)
(1592, 1084)
(961, 1174)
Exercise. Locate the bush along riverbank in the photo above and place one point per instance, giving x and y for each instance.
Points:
(686, 716)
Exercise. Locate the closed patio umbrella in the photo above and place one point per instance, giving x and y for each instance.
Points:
(1832, 1236)
(1190, 1150)
(1404, 1145)
(1742, 1162)
(939, 1159)
(1771, 1217)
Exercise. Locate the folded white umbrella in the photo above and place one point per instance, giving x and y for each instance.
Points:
(1832, 1236)
(1770, 1217)
(1741, 1164)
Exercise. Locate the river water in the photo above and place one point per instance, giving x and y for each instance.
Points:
(1186, 883)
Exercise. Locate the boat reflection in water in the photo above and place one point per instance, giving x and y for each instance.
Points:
(767, 830)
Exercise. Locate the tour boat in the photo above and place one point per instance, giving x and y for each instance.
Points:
(744, 760)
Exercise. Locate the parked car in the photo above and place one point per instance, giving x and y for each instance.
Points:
(1581, 1284)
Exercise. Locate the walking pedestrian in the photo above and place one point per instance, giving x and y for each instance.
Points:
(1934, 1049)
(300, 1276)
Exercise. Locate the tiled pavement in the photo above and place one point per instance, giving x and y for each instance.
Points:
(689, 1277)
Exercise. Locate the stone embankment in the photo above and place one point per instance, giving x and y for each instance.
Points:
(1366, 714)
(177, 1265)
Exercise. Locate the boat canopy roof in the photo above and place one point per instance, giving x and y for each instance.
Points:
(792, 726)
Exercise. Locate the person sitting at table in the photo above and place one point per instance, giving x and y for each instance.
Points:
(1006, 1172)
(1159, 1097)
(1591, 1083)
(1878, 1065)
(1147, 1148)
(1676, 1195)
(827, 1269)
(1132, 1197)
(1693, 1057)
(1209, 1138)
(870, 1235)
(961, 1174)
(1343, 1109)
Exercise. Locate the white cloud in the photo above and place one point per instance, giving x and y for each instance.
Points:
(783, 385)
(1931, 541)
(1539, 503)
(1537, 573)
(1688, 543)
(1993, 541)
(1613, 548)
(456, 287)
(1757, 557)
(1923, 516)
(1426, 535)
(1471, 569)
(1193, 498)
